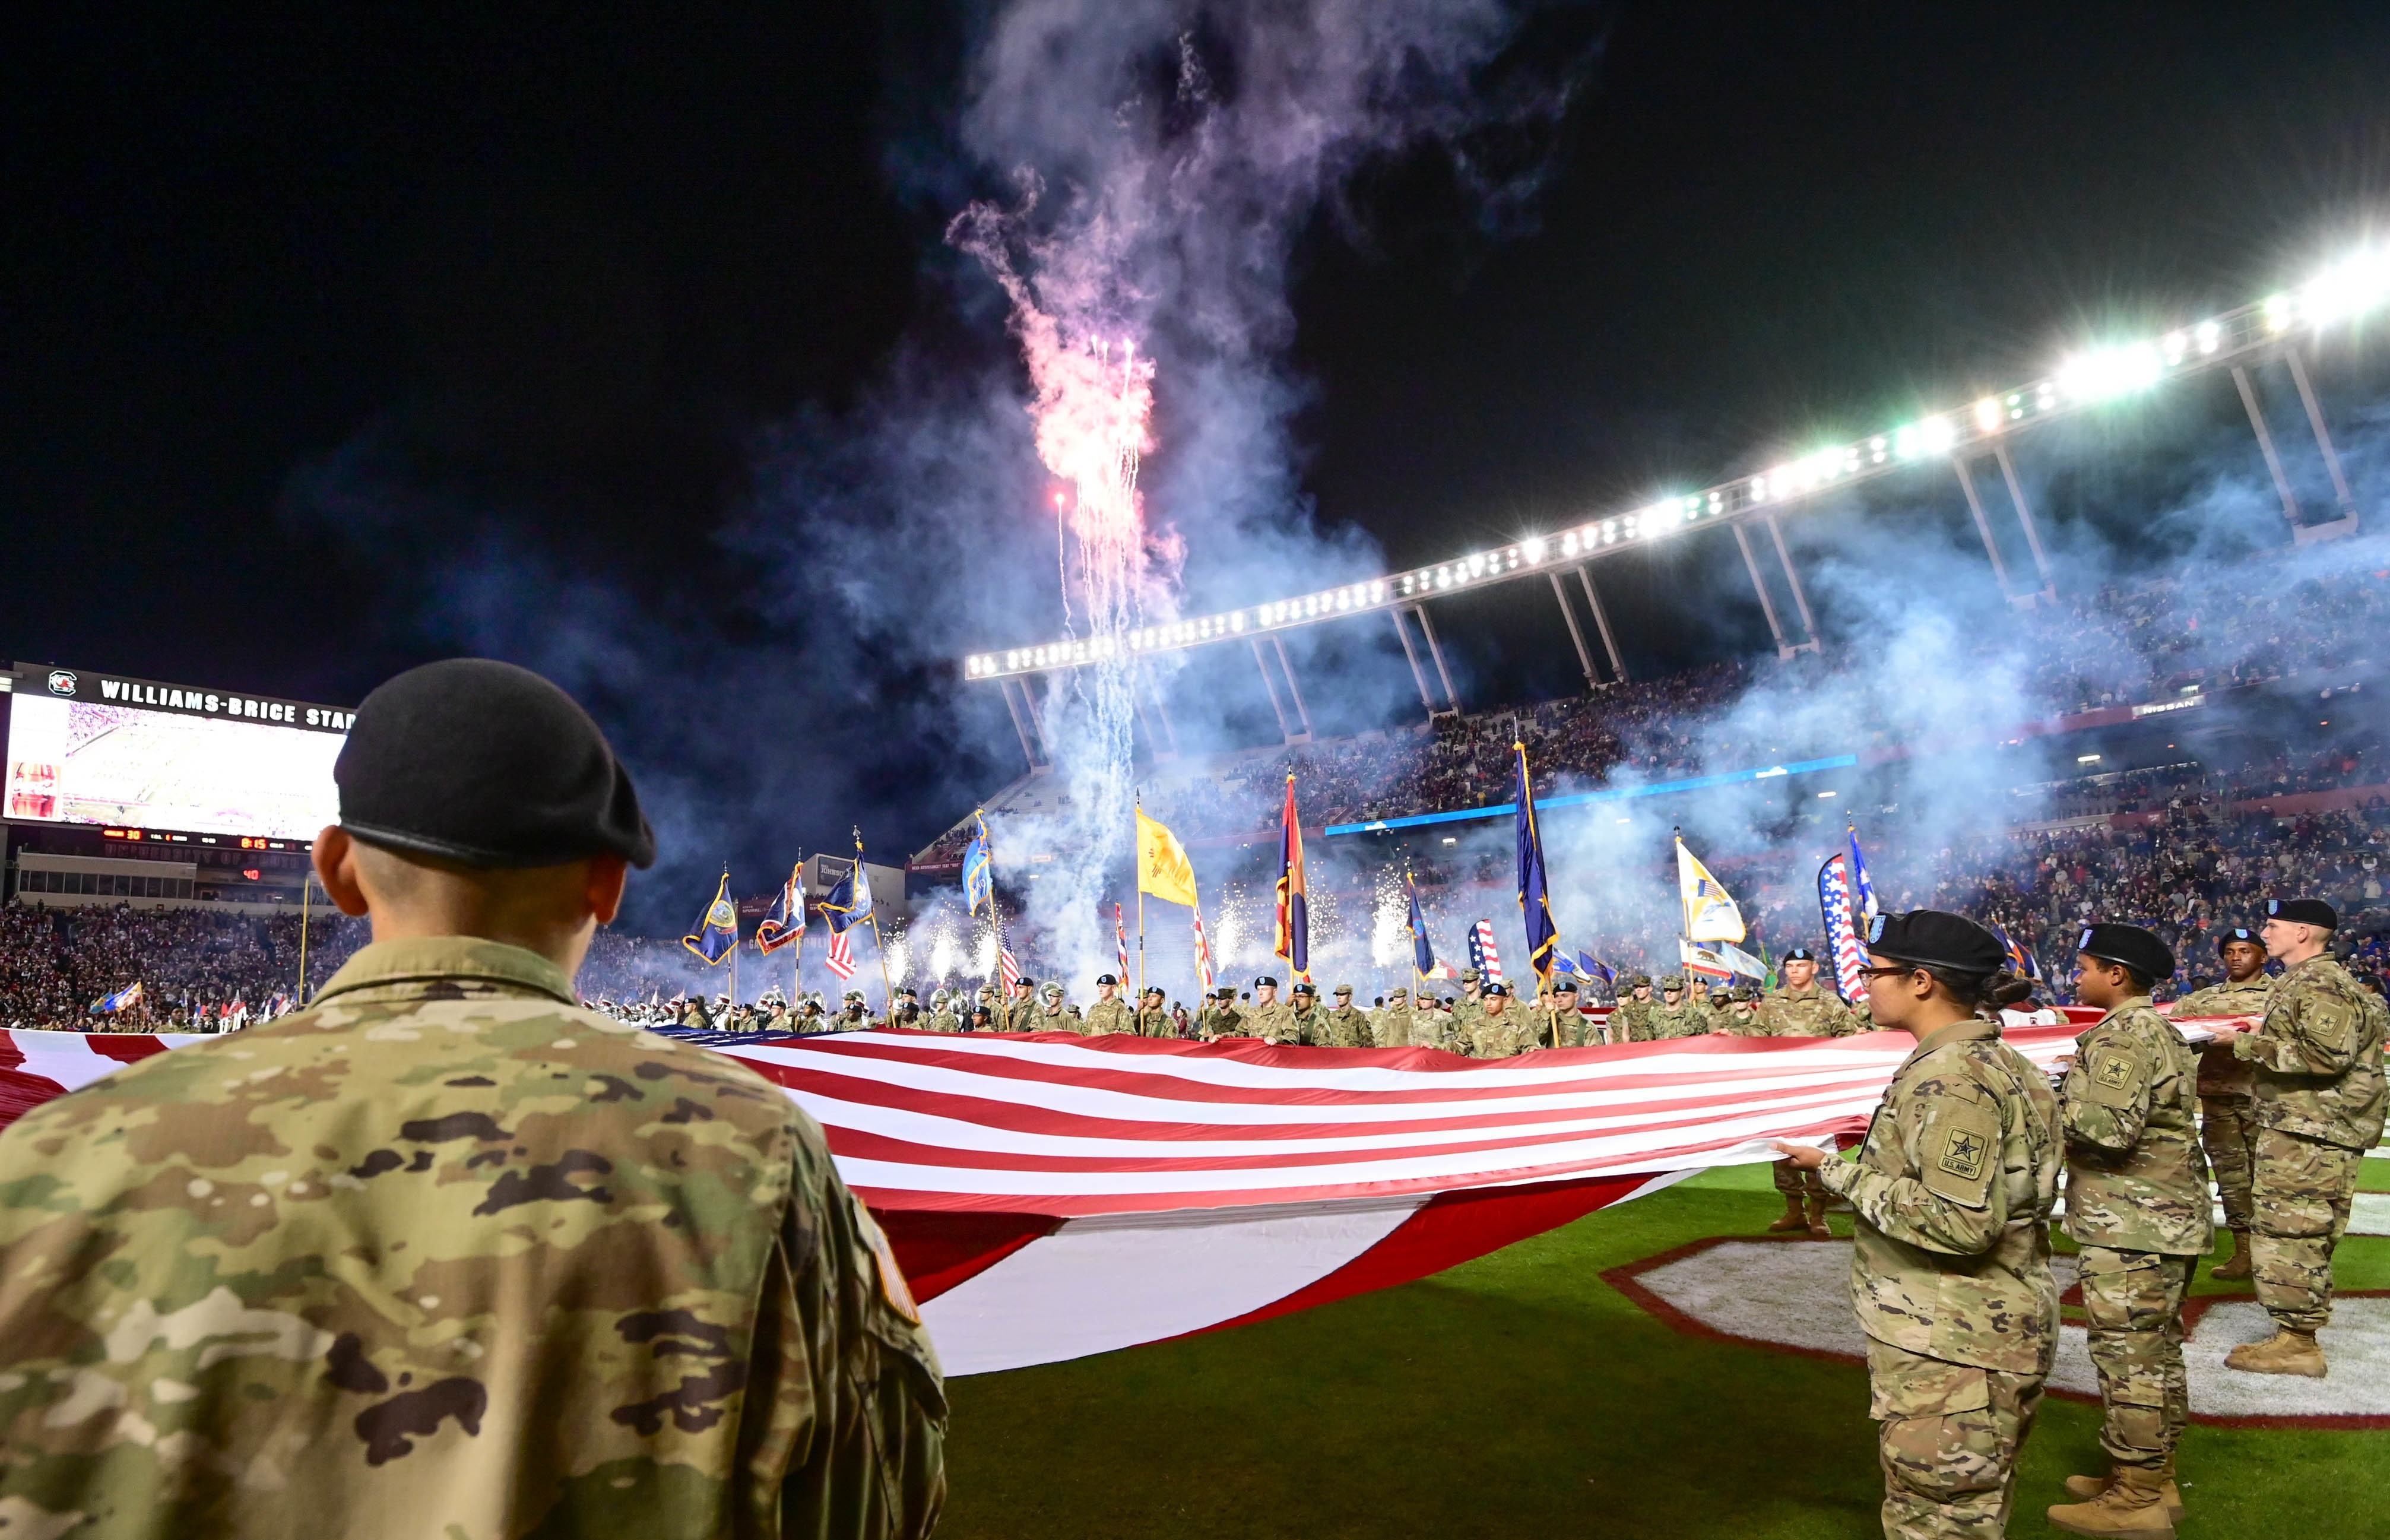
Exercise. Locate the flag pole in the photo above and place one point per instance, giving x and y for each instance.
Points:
(995, 920)
(887, 995)
(797, 953)
(733, 944)
(1137, 864)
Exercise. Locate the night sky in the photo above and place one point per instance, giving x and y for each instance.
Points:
(565, 283)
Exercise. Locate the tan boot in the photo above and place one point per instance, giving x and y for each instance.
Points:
(2285, 1352)
(1817, 1219)
(2084, 1488)
(2133, 1504)
(2237, 1268)
(1790, 1219)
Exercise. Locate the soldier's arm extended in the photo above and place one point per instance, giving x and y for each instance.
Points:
(2106, 1103)
(2311, 1033)
(856, 1403)
(1953, 1203)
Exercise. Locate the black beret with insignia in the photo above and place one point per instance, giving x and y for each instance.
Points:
(1932, 938)
(2298, 911)
(2238, 933)
(1799, 953)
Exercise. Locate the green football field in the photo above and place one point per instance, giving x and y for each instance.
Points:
(1520, 1396)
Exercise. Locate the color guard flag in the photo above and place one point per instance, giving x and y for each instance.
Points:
(123, 998)
(1120, 945)
(1163, 868)
(2021, 962)
(786, 923)
(1534, 899)
(979, 871)
(717, 933)
(1710, 911)
(1842, 931)
(850, 901)
(1007, 963)
(1422, 950)
(1293, 941)
(1202, 955)
(1863, 905)
(841, 953)
(1483, 956)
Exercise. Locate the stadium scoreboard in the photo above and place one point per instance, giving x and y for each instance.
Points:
(135, 756)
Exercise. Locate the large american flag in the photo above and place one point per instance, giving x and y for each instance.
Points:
(1051, 1195)
(1834, 905)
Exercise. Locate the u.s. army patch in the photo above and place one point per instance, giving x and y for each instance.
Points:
(1962, 1153)
(893, 1284)
(2113, 1071)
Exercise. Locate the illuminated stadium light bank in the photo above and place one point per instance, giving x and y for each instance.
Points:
(2341, 293)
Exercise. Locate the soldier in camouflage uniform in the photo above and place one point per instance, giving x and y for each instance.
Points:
(2225, 1124)
(1631, 1021)
(1801, 1006)
(1950, 1266)
(2319, 1105)
(1391, 1027)
(1344, 1026)
(1270, 1018)
(1221, 1018)
(1109, 1013)
(1019, 1012)
(1677, 1017)
(2136, 1206)
(1056, 1013)
(1496, 1031)
(942, 1017)
(1310, 1021)
(1153, 1020)
(400, 1264)
(1568, 1025)
(1742, 1018)
(854, 1015)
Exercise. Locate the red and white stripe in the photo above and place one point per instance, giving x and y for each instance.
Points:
(842, 955)
(1052, 1196)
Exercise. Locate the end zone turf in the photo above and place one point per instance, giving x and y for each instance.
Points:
(1520, 1396)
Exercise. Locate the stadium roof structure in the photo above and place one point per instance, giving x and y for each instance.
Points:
(1958, 436)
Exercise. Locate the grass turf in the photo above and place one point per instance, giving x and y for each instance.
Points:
(1519, 1396)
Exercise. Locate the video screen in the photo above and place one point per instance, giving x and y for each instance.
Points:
(76, 762)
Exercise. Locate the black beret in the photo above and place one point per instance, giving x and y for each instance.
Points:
(1564, 984)
(1306, 988)
(1264, 979)
(2143, 951)
(1497, 987)
(1025, 981)
(2303, 911)
(489, 765)
(2238, 932)
(1107, 979)
(1934, 939)
(1799, 953)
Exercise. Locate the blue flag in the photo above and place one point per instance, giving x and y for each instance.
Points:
(123, 999)
(785, 926)
(2021, 962)
(1422, 950)
(1863, 905)
(979, 873)
(850, 902)
(1534, 901)
(717, 933)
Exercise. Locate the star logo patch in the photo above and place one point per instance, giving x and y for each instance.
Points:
(1962, 1153)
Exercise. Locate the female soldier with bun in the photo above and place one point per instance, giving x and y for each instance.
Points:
(1953, 1191)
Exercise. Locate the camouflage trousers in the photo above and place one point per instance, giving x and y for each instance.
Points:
(2226, 1129)
(2298, 1212)
(1948, 1436)
(2132, 1302)
(1792, 1182)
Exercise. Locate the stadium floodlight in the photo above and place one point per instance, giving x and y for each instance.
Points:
(2337, 294)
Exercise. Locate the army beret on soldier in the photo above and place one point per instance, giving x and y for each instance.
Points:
(1306, 988)
(1265, 982)
(1799, 953)
(1496, 988)
(1151, 989)
(522, 777)
(1107, 979)
(2238, 933)
(2298, 911)
(1564, 984)
(1932, 938)
(2143, 951)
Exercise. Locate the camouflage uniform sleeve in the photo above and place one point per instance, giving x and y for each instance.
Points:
(2105, 1101)
(1947, 1198)
(2199, 1002)
(2308, 1030)
(842, 1360)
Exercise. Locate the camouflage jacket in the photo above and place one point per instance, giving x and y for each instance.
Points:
(447, 1255)
(2136, 1173)
(1112, 1015)
(1490, 1036)
(1221, 1021)
(1390, 1027)
(1155, 1022)
(1953, 1191)
(1681, 1019)
(1631, 1021)
(1347, 1027)
(1812, 1012)
(941, 1019)
(2221, 1072)
(1274, 1022)
(1016, 1015)
(2319, 1057)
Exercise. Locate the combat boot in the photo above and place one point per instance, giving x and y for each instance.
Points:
(1790, 1219)
(2286, 1352)
(2132, 1505)
(1817, 1219)
(2236, 1268)
(2084, 1488)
